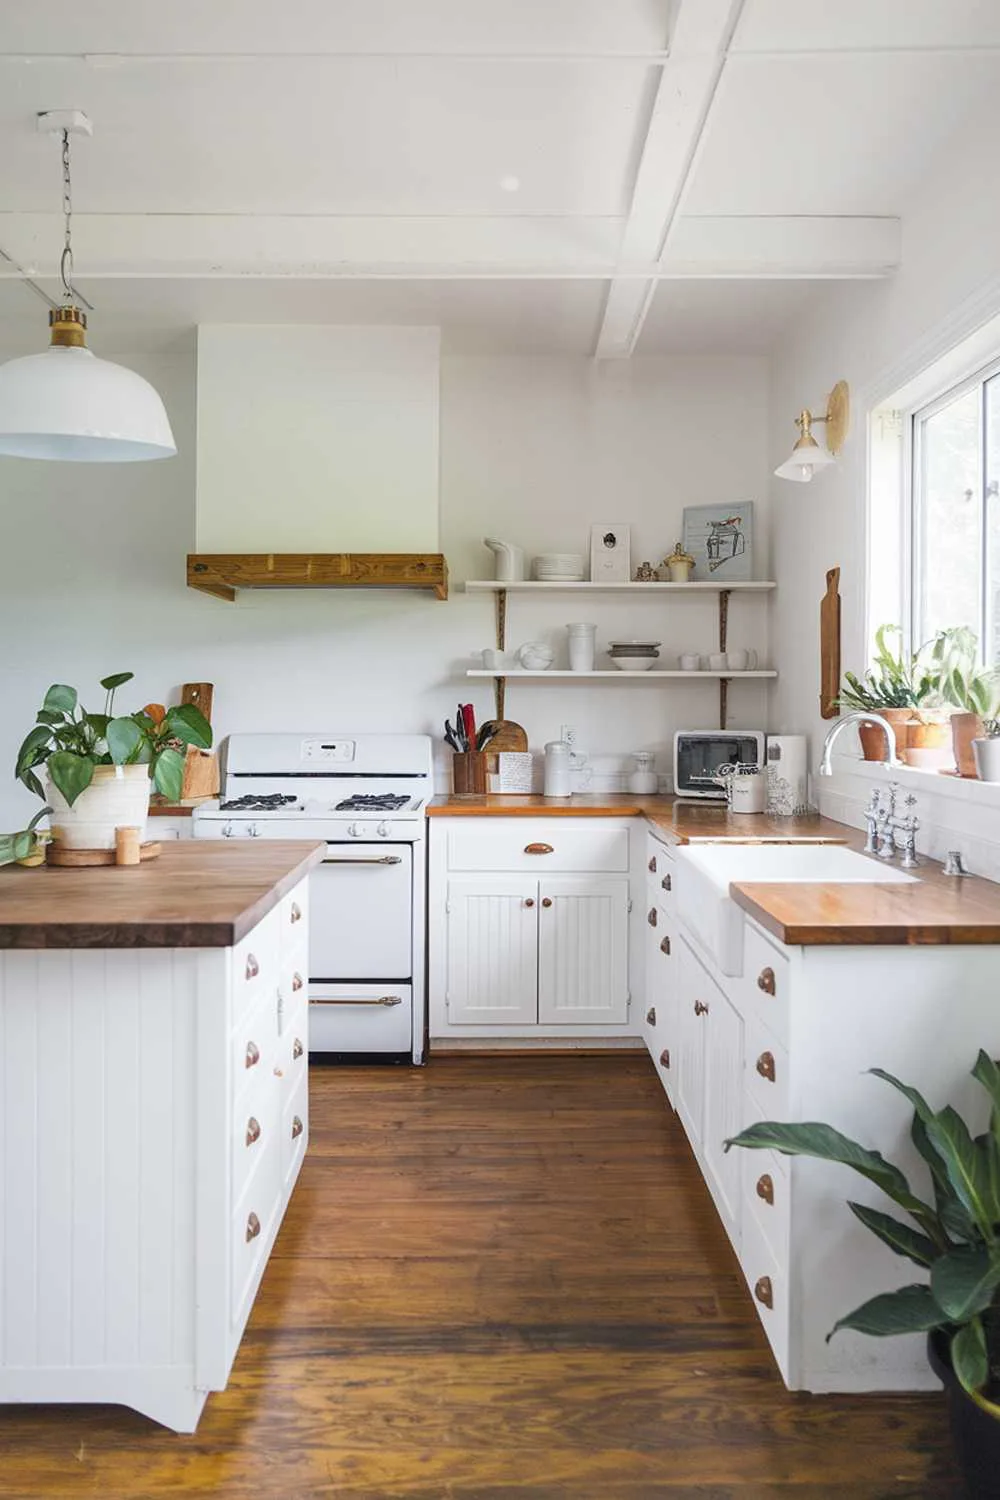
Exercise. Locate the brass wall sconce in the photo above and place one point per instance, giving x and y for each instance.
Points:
(807, 456)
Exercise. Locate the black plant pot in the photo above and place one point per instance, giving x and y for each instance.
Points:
(975, 1432)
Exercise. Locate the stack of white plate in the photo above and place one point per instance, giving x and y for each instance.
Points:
(559, 567)
(633, 656)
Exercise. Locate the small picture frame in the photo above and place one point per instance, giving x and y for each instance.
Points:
(609, 553)
(720, 539)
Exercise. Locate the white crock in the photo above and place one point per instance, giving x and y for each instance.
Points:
(987, 753)
(117, 797)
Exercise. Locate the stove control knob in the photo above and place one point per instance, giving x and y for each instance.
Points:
(383, 830)
(352, 830)
(252, 831)
(227, 830)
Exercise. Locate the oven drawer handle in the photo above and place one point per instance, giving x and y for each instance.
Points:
(361, 1000)
(383, 859)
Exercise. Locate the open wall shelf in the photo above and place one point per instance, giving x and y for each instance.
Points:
(223, 573)
(614, 675)
(532, 586)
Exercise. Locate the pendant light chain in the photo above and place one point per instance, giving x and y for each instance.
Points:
(66, 259)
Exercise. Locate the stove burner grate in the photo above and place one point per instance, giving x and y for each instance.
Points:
(372, 802)
(258, 802)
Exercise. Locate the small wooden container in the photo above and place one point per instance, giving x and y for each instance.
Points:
(469, 773)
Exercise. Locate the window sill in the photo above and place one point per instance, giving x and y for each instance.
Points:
(933, 783)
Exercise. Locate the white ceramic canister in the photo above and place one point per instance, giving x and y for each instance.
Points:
(787, 775)
(558, 764)
(987, 753)
(747, 791)
(117, 797)
(581, 647)
(642, 779)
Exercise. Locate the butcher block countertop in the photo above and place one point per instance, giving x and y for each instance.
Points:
(198, 894)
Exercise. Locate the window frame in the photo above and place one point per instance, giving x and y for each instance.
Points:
(912, 558)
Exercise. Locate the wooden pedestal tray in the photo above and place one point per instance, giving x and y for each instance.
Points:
(55, 854)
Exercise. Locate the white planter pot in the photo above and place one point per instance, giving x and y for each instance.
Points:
(987, 753)
(118, 797)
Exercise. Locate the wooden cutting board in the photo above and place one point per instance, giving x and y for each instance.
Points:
(509, 736)
(200, 694)
(829, 647)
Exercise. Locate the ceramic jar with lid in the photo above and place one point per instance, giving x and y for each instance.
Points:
(679, 564)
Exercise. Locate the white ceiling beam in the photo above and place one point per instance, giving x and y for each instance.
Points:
(702, 32)
(321, 248)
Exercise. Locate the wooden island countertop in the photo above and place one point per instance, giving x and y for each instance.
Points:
(199, 893)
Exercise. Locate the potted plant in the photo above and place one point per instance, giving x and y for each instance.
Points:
(956, 1244)
(894, 686)
(972, 691)
(986, 751)
(99, 765)
(28, 846)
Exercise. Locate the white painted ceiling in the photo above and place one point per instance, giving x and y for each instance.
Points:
(687, 171)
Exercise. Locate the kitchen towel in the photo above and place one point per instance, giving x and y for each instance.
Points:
(787, 775)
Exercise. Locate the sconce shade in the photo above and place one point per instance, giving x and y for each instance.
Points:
(806, 457)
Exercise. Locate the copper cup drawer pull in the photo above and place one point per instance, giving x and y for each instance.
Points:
(651, 1016)
(297, 1048)
(546, 901)
(764, 1291)
(252, 1055)
(253, 967)
(253, 1131)
(765, 981)
(253, 1228)
(665, 946)
(700, 1008)
(667, 883)
(297, 1127)
(665, 1058)
(652, 865)
(529, 901)
(651, 918)
(539, 849)
(297, 982)
(765, 1188)
(765, 1066)
(296, 913)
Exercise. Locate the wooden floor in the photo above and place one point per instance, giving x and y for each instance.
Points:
(497, 1278)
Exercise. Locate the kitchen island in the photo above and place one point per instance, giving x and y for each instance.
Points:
(154, 1117)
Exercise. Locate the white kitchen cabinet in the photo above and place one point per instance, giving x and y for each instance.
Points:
(534, 931)
(492, 952)
(690, 1064)
(155, 1116)
(583, 949)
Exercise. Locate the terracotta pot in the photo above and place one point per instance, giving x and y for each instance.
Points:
(928, 744)
(964, 729)
(872, 736)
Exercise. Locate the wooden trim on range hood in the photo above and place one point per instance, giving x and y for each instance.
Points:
(222, 573)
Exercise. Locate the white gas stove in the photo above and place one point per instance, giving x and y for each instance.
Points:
(366, 796)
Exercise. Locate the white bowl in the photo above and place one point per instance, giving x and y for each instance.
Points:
(633, 663)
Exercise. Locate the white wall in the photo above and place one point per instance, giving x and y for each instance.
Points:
(316, 439)
(92, 562)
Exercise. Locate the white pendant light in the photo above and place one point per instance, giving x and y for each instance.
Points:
(807, 456)
(65, 403)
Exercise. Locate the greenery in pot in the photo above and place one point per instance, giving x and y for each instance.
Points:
(959, 681)
(70, 742)
(956, 1239)
(15, 847)
(893, 681)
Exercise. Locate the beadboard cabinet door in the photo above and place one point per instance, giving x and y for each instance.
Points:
(583, 949)
(723, 1105)
(693, 1005)
(492, 950)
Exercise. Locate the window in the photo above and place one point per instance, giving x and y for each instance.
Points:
(955, 517)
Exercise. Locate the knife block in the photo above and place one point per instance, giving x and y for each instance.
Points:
(469, 773)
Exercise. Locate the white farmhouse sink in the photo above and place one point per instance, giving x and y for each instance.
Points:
(705, 873)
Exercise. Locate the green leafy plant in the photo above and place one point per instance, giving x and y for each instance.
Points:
(70, 741)
(894, 680)
(958, 679)
(15, 846)
(956, 1239)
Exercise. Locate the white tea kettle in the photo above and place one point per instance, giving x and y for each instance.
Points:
(509, 560)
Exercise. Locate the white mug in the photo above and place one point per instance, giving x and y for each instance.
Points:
(717, 661)
(690, 661)
(747, 793)
(742, 660)
(491, 658)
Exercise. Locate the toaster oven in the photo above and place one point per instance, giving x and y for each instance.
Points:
(698, 754)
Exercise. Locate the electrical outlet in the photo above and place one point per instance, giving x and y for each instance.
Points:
(568, 735)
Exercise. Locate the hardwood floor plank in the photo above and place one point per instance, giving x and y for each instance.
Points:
(499, 1279)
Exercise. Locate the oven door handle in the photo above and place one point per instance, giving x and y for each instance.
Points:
(379, 859)
(360, 1000)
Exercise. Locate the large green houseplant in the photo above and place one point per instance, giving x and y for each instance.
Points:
(71, 743)
(954, 1239)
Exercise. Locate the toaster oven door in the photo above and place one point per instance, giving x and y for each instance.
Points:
(699, 754)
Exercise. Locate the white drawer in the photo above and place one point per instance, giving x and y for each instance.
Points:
(360, 1017)
(768, 1283)
(254, 1128)
(294, 1131)
(250, 1229)
(765, 985)
(254, 1043)
(766, 1072)
(255, 966)
(766, 1187)
(542, 847)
